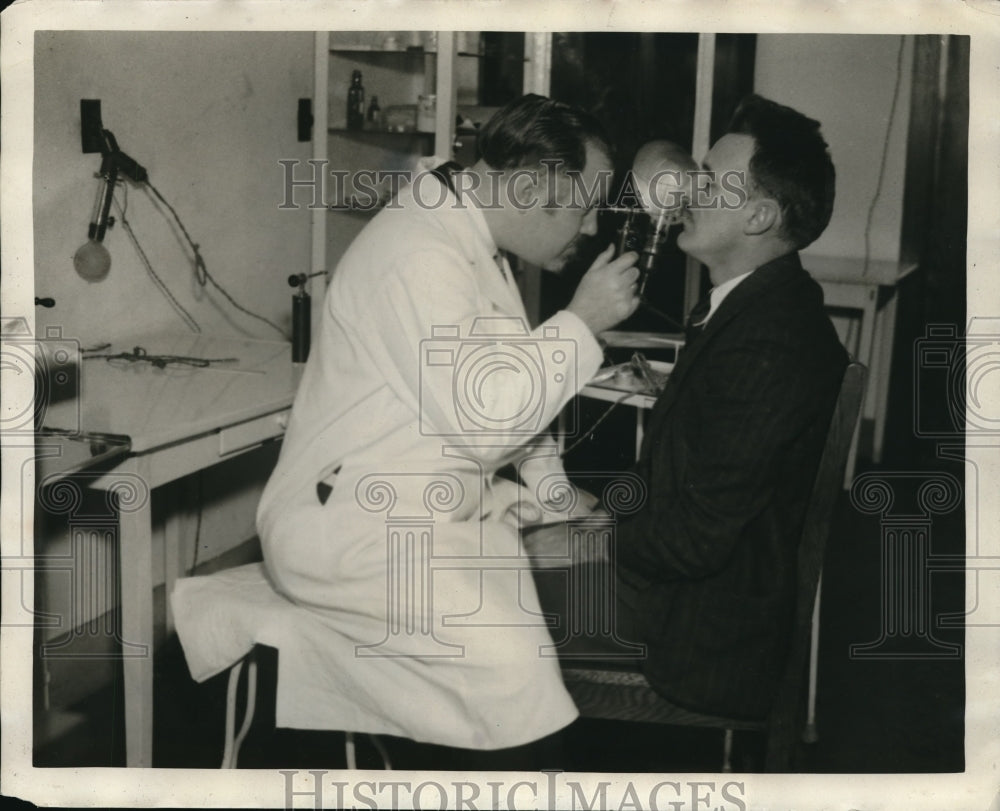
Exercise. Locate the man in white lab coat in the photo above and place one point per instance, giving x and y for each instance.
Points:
(384, 515)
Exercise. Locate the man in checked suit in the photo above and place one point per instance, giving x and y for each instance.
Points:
(706, 569)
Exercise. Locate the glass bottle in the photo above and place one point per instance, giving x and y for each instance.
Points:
(374, 114)
(356, 103)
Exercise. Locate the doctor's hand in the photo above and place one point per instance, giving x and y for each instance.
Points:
(607, 293)
(556, 546)
(572, 504)
(568, 503)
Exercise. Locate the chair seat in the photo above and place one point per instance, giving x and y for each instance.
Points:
(626, 695)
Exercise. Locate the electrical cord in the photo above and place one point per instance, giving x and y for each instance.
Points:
(590, 431)
(885, 152)
(138, 355)
(201, 269)
(160, 284)
(660, 314)
(197, 528)
(643, 369)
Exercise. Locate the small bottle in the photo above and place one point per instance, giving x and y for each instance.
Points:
(374, 114)
(356, 103)
(427, 113)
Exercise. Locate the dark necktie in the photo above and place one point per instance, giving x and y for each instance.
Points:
(696, 318)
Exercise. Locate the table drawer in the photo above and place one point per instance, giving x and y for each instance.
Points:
(245, 435)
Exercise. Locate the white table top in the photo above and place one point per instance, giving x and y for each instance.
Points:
(155, 407)
(642, 340)
(609, 395)
(624, 386)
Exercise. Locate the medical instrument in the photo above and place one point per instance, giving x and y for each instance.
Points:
(92, 260)
(301, 318)
(661, 181)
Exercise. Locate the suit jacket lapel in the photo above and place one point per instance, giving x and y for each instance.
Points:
(767, 277)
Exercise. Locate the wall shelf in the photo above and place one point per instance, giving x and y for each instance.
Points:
(364, 49)
(365, 133)
(462, 70)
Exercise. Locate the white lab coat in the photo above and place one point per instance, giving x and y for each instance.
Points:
(414, 562)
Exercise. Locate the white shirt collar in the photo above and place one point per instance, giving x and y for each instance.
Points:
(717, 294)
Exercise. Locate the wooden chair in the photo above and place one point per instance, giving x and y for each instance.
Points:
(622, 693)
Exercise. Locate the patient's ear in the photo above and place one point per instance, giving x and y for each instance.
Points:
(764, 216)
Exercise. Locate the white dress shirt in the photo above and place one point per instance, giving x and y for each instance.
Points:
(717, 294)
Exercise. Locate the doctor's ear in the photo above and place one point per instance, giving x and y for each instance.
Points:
(523, 189)
(764, 215)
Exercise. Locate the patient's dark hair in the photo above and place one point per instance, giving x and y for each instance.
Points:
(791, 164)
(534, 128)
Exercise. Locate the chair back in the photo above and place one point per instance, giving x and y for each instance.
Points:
(787, 713)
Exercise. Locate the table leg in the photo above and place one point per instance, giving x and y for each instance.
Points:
(810, 733)
(886, 329)
(867, 351)
(865, 355)
(135, 542)
(639, 427)
(174, 531)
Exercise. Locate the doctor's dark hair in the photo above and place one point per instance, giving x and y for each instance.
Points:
(534, 128)
(790, 164)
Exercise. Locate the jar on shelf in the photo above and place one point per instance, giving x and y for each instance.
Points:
(426, 113)
(356, 103)
(374, 114)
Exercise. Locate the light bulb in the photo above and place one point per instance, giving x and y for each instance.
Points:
(92, 261)
(662, 171)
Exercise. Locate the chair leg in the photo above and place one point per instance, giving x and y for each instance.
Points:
(383, 753)
(234, 681)
(727, 752)
(251, 707)
(349, 751)
(233, 742)
(810, 734)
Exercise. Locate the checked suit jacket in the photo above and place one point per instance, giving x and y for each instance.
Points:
(729, 457)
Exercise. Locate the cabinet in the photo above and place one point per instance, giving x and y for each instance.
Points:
(470, 74)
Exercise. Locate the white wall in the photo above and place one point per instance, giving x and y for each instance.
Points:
(209, 115)
(847, 83)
